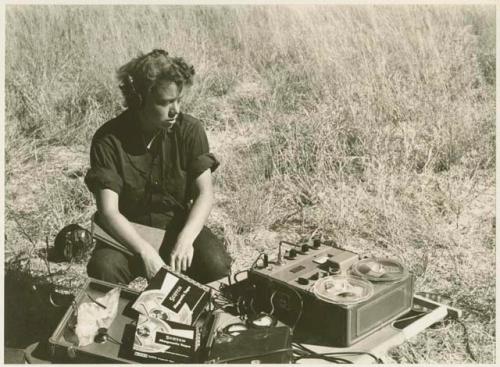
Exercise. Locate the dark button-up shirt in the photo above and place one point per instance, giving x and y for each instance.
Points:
(154, 184)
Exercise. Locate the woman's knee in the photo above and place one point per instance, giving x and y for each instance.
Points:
(211, 260)
(218, 264)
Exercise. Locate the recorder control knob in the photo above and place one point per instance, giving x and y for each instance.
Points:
(316, 243)
(305, 248)
(303, 281)
(292, 253)
(333, 267)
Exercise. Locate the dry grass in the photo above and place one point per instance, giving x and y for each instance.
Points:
(372, 125)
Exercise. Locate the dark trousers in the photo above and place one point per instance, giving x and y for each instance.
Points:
(210, 260)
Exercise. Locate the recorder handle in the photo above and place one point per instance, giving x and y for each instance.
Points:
(425, 321)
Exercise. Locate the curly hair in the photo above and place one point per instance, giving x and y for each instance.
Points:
(139, 76)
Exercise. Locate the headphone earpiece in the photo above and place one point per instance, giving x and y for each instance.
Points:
(134, 99)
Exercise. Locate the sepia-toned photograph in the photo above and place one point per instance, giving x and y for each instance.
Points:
(253, 183)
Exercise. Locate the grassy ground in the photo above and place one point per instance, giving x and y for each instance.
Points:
(372, 125)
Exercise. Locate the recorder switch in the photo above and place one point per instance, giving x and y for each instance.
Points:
(265, 261)
(323, 274)
(303, 281)
(333, 266)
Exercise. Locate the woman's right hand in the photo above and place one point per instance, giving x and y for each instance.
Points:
(122, 230)
(152, 262)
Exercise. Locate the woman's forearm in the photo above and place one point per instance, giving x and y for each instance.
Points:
(122, 230)
(197, 217)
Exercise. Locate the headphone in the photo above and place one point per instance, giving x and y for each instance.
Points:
(133, 98)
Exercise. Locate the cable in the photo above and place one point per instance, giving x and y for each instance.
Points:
(357, 353)
(222, 298)
(467, 344)
(301, 309)
(95, 301)
(51, 300)
(289, 243)
(305, 352)
(308, 353)
(410, 317)
(271, 301)
(248, 307)
(213, 288)
(113, 340)
(238, 305)
(312, 354)
(219, 300)
(55, 304)
(256, 260)
(221, 306)
(235, 276)
(253, 356)
(252, 308)
(319, 356)
(227, 328)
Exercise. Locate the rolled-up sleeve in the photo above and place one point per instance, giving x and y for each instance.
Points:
(200, 158)
(103, 172)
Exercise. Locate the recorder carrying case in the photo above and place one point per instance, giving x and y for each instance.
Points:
(119, 345)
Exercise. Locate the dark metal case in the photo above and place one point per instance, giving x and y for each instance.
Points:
(265, 345)
(62, 348)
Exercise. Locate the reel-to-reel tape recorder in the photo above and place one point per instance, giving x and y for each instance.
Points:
(329, 296)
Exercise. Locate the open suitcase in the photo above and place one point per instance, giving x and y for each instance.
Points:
(63, 347)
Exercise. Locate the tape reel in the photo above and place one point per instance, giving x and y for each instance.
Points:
(379, 270)
(343, 289)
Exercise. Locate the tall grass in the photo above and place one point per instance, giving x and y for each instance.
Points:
(374, 125)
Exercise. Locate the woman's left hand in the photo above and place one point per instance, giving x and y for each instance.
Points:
(181, 256)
